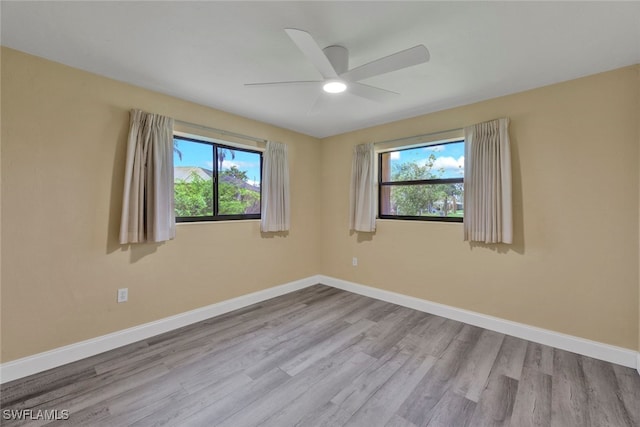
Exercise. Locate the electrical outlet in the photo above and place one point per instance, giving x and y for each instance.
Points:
(354, 261)
(123, 294)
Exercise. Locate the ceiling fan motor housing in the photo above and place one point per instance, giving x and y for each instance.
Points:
(338, 56)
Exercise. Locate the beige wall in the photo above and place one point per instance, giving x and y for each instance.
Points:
(1, 51)
(63, 146)
(573, 267)
(638, 123)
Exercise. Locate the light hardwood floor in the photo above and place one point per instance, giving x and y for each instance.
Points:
(326, 357)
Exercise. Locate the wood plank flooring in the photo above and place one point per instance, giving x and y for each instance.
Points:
(326, 357)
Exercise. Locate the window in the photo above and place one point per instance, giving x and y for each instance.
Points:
(422, 183)
(214, 182)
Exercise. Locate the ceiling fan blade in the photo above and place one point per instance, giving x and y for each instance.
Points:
(312, 51)
(294, 83)
(403, 59)
(320, 103)
(371, 92)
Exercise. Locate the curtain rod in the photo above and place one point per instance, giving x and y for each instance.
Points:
(220, 131)
(424, 135)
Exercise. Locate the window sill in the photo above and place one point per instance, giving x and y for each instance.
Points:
(229, 221)
(419, 221)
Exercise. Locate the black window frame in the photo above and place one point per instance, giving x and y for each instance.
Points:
(382, 184)
(215, 173)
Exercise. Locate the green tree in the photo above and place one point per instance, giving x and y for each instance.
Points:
(413, 200)
(421, 200)
(235, 200)
(235, 173)
(236, 195)
(194, 196)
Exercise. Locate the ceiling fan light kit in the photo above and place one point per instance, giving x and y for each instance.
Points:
(332, 63)
(334, 86)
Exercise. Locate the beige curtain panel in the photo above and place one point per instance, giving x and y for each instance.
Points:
(148, 205)
(362, 215)
(487, 183)
(275, 215)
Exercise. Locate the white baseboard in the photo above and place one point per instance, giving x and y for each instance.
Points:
(597, 350)
(70, 353)
(60, 356)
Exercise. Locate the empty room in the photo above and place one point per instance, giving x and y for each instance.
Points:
(368, 213)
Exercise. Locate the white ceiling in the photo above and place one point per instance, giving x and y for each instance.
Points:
(205, 51)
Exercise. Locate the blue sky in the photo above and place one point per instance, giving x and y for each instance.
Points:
(449, 157)
(201, 155)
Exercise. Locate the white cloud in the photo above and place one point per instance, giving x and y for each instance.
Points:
(227, 164)
(209, 164)
(450, 165)
(395, 155)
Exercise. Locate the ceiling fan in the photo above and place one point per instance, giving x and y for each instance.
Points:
(332, 63)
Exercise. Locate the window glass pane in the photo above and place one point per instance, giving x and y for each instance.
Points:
(422, 200)
(432, 162)
(192, 178)
(239, 184)
(214, 182)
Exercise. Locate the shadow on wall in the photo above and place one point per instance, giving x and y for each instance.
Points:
(273, 234)
(119, 119)
(362, 236)
(140, 250)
